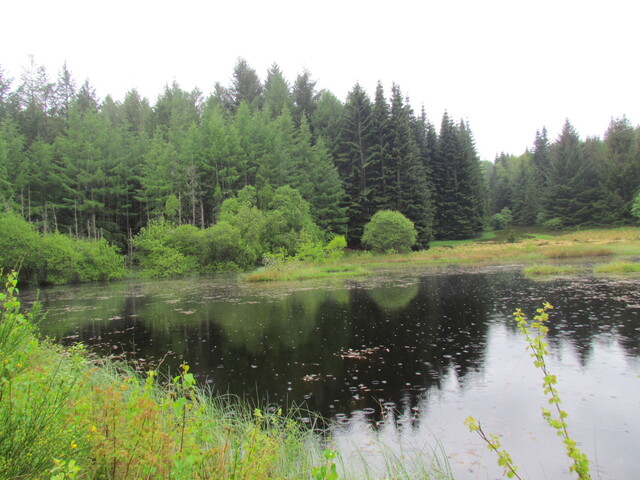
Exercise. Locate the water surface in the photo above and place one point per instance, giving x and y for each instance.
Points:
(406, 354)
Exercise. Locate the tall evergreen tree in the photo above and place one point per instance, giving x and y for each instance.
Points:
(6, 95)
(353, 161)
(458, 184)
(383, 165)
(410, 185)
(327, 120)
(245, 86)
(573, 182)
(476, 195)
(621, 167)
(34, 99)
(305, 97)
(277, 95)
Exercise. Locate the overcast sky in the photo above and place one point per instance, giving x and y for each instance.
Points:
(508, 67)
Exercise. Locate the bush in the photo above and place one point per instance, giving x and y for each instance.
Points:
(155, 254)
(19, 247)
(335, 248)
(225, 249)
(55, 258)
(389, 232)
(553, 224)
(99, 261)
(60, 259)
(501, 220)
(635, 206)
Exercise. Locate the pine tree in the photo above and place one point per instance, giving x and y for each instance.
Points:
(327, 120)
(621, 167)
(410, 187)
(245, 86)
(353, 162)
(382, 163)
(574, 191)
(305, 97)
(277, 95)
(458, 181)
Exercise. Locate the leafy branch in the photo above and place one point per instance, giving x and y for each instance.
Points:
(535, 333)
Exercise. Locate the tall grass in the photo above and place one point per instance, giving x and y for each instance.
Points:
(618, 267)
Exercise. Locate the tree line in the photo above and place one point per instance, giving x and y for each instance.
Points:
(107, 169)
(104, 169)
(570, 182)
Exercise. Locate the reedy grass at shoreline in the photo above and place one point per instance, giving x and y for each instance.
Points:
(298, 270)
(598, 244)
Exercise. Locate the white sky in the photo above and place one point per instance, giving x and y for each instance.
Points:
(508, 67)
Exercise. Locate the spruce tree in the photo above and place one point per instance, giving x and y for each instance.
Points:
(459, 189)
(410, 187)
(574, 190)
(353, 162)
(382, 162)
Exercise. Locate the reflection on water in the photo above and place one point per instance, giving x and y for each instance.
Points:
(409, 355)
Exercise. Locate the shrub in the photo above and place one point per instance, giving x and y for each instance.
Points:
(635, 206)
(388, 232)
(501, 220)
(335, 248)
(19, 246)
(225, 249)
(553, 224)
(155, 254)
(60, 259)
(99, 261)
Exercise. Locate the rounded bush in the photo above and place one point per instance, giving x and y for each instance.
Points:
(388, 232)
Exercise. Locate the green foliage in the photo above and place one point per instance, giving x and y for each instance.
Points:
(65, 416)
(335, 248)
(500, 221)
(389, 232)
(327, 471)
(158, 251)
(55, 258)
(34, 395)
(635, 206)
(19, 246)
(224, 248)
(553, 224)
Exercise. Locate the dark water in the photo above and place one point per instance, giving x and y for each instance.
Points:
(406, 354)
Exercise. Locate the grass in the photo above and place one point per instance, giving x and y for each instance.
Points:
(297, 270)
(618, 267)
(552, 270)
(67, 415)
(531, 248)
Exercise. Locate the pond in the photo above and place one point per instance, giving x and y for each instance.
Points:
(404, 356)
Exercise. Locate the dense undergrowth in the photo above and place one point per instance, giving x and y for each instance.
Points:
(55, 258)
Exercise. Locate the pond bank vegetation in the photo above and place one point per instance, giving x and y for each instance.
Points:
(65, 414)
(532, 249)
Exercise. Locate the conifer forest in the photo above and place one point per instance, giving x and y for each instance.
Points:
(263, 165)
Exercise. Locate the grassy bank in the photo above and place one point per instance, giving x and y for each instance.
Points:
(67, 415)
(533, 249)
(529, 248)
(297, 270)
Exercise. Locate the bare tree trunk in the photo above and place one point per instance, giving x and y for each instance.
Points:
(75, 216)
(201, 213)
(44, 218)
(55, 219)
